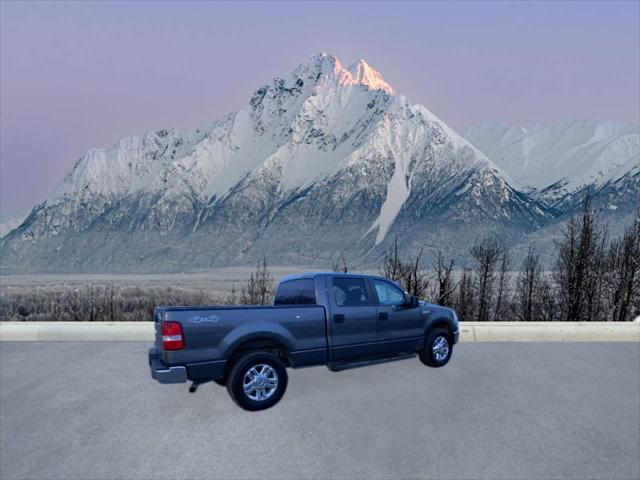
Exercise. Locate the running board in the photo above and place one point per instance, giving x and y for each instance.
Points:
(336, 367)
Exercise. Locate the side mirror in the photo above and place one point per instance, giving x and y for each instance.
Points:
(410, 301)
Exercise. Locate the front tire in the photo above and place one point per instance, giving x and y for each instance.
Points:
(257, 381)
(438, 347)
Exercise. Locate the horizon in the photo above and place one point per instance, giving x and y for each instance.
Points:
(55, 57)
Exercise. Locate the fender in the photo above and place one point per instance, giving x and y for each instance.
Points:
(439, 320)
(439, 315)
(254, 330)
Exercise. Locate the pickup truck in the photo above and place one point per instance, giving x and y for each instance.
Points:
(338, 320)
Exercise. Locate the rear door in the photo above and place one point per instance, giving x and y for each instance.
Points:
(353, 318)
(399, 327)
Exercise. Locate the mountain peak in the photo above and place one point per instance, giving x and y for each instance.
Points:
(363, 73)
(359, 73)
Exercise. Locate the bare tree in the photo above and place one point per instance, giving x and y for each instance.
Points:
(547, 300)
(446, 285)
(74, 306)
(596, 301)
(528, 287)
(91, 302)
(232, 298)
(502, 288)
(465, 302)
(623, 264)
(408, 273)
(391, 264)
(259, 289)
(486, 252)
(577, 264)
(111, 304)
(414, 279)
(339, 262)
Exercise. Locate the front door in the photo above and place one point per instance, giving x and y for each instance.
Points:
(354, 318)
(400, 328)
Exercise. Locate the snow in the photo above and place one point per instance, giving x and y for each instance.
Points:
(397, 193)
(399, 186)
(362, 73)
(576, 152)
(302, 129)
(311, 126)
(323, 118)
(10, 221)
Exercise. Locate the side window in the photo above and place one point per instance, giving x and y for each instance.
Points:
(388, 294)
(350, 292)
(296, 292)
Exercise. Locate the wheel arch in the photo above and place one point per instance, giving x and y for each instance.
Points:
(441, 322)
(256, 342)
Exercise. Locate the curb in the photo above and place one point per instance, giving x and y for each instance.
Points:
(470, 331)
(76, 331)
(550, 332)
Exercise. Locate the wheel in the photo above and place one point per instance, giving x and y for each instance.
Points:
(438, 347)
(257, 381)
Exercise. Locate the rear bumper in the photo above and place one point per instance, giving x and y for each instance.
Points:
(196, 372)
(163, 373)
(456, 335)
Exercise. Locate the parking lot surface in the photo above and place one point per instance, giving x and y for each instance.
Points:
(89, 410)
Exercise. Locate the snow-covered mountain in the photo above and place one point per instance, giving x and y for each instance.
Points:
(563, 161)
(9, 221)
(328, 158)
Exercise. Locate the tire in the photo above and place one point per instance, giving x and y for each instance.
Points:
(271, 379)
(437, 343)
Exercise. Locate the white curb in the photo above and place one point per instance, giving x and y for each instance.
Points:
(550, 332)
(470, 331)
(76, 331)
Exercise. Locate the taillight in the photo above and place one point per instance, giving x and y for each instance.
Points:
(172, 338)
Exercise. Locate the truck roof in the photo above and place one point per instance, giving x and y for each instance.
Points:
(298, 276)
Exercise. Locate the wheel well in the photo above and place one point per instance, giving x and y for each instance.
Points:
(262, 344)
(441, 324)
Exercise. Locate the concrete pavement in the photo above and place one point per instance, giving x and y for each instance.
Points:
(89, 410)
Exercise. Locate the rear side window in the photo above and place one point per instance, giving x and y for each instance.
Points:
(350, 292)
(296, 292)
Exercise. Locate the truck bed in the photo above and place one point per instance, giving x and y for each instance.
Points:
(212, 333)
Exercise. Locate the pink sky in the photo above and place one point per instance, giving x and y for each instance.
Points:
(79, 75)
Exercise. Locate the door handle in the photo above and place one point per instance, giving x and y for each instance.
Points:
(338, 318)
(384, 316)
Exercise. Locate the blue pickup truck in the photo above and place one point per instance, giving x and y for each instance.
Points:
(338, 320)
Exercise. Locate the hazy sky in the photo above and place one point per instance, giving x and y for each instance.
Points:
(80, 75)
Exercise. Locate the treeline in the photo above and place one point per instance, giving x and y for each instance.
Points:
(593, 278)
(95, 303)
(113, 303)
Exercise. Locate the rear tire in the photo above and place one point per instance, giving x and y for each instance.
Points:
(257, 381)
(438, 347)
